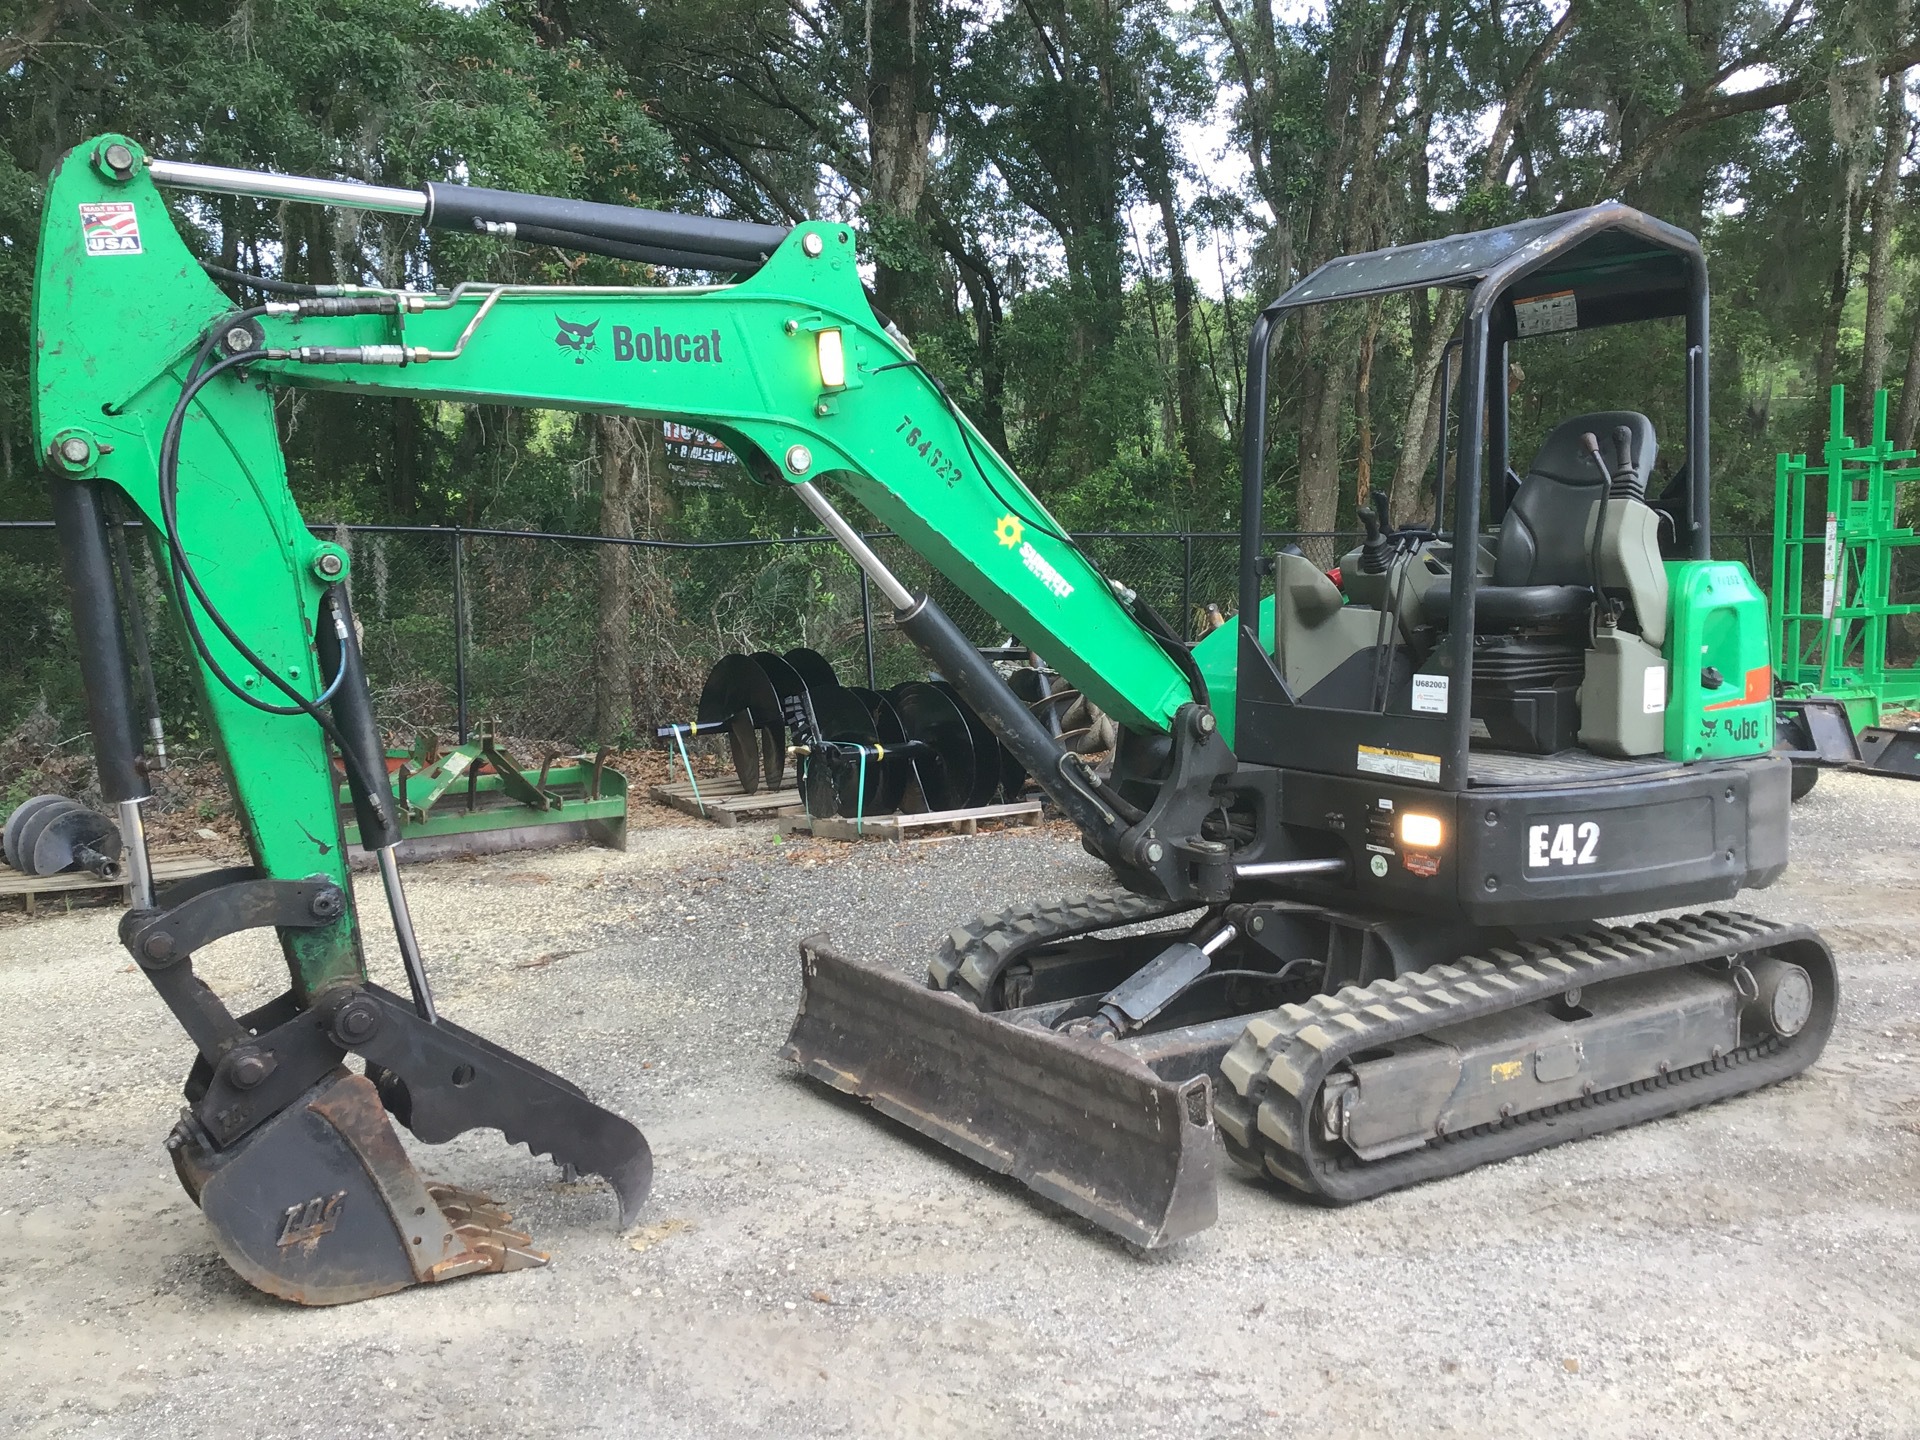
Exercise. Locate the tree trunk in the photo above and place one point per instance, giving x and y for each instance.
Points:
(619, 447)
(1908, 419)
(1193, 434)
(1881, 213)
(1363, 410)
(989, 311)
(1320, 457)
(1420, 426)
(1829, 355)
(899, 130)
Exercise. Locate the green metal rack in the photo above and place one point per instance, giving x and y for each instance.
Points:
(1836, 539)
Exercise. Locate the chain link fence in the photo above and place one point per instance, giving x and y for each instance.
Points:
(464, 626)
(514, 627)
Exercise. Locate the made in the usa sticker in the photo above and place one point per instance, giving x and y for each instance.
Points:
(110, 227)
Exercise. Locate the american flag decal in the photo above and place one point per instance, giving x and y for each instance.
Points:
(110, 228)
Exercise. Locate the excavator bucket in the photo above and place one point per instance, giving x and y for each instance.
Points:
(1088, 1127)
(321, 1205)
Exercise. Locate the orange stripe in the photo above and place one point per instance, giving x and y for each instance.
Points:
(1759, 687)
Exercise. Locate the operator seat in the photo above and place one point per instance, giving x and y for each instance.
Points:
(1543, 561)
(1567, 541)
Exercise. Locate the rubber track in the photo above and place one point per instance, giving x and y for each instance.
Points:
(1267, 1107)
(974, 955)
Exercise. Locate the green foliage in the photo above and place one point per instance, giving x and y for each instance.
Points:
(1059, 157)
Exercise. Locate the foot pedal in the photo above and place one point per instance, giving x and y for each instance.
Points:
(322, 1206)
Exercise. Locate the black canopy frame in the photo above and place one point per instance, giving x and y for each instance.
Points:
(1620, 265)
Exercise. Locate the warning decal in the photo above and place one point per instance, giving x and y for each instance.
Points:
(1400, 764)
(1544, 314)
(110, 228)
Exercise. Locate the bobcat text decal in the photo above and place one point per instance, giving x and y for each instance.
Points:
(666, 347)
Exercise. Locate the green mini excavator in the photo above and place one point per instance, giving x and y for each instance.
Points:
(1362, 838)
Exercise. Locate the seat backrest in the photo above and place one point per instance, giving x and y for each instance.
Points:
(1545, 536)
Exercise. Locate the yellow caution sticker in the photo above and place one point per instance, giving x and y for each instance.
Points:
(1507, 1070)
(1400, 764)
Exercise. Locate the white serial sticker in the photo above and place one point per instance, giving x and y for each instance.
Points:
(1569, 843)
(1544, 314)
(110, 227)
(1044, 572)
(1653, 690)
(1430, 694)
(1400, 764)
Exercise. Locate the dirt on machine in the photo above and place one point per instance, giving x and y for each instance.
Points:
(1369, 838)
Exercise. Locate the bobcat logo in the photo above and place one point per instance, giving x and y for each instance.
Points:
(577, 338)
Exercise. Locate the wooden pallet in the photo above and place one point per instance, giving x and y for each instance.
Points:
(166, 868)
(723, 801)
(923, 825)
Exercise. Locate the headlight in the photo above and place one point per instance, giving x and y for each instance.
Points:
(833, 360)
(1420, 832)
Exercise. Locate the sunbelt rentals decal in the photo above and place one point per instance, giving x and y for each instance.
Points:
(1012, 534)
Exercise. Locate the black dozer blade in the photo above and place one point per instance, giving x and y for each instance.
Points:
(1091, 1129)
(321, 1205)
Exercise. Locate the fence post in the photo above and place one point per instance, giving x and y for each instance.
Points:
(459, 638)
(1186, 586)
(866, 625)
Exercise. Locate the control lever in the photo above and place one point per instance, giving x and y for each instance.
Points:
(1591, 445)
(1376, 549)
(1629, 485)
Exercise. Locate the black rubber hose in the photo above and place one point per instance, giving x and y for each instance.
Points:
(641, 254)
(266, 284)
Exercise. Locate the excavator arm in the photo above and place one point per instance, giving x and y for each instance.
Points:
(152, 387)
(789, 365)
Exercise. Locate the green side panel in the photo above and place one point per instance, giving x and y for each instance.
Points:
(118, 304)
(1717, 622)
(1218, 656)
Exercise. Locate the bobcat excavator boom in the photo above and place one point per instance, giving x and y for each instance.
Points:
(1373, 955)
(154, 391)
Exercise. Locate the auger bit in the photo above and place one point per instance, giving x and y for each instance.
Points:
(291, 1156)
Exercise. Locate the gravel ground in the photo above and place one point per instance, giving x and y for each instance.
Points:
(806, 1269)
